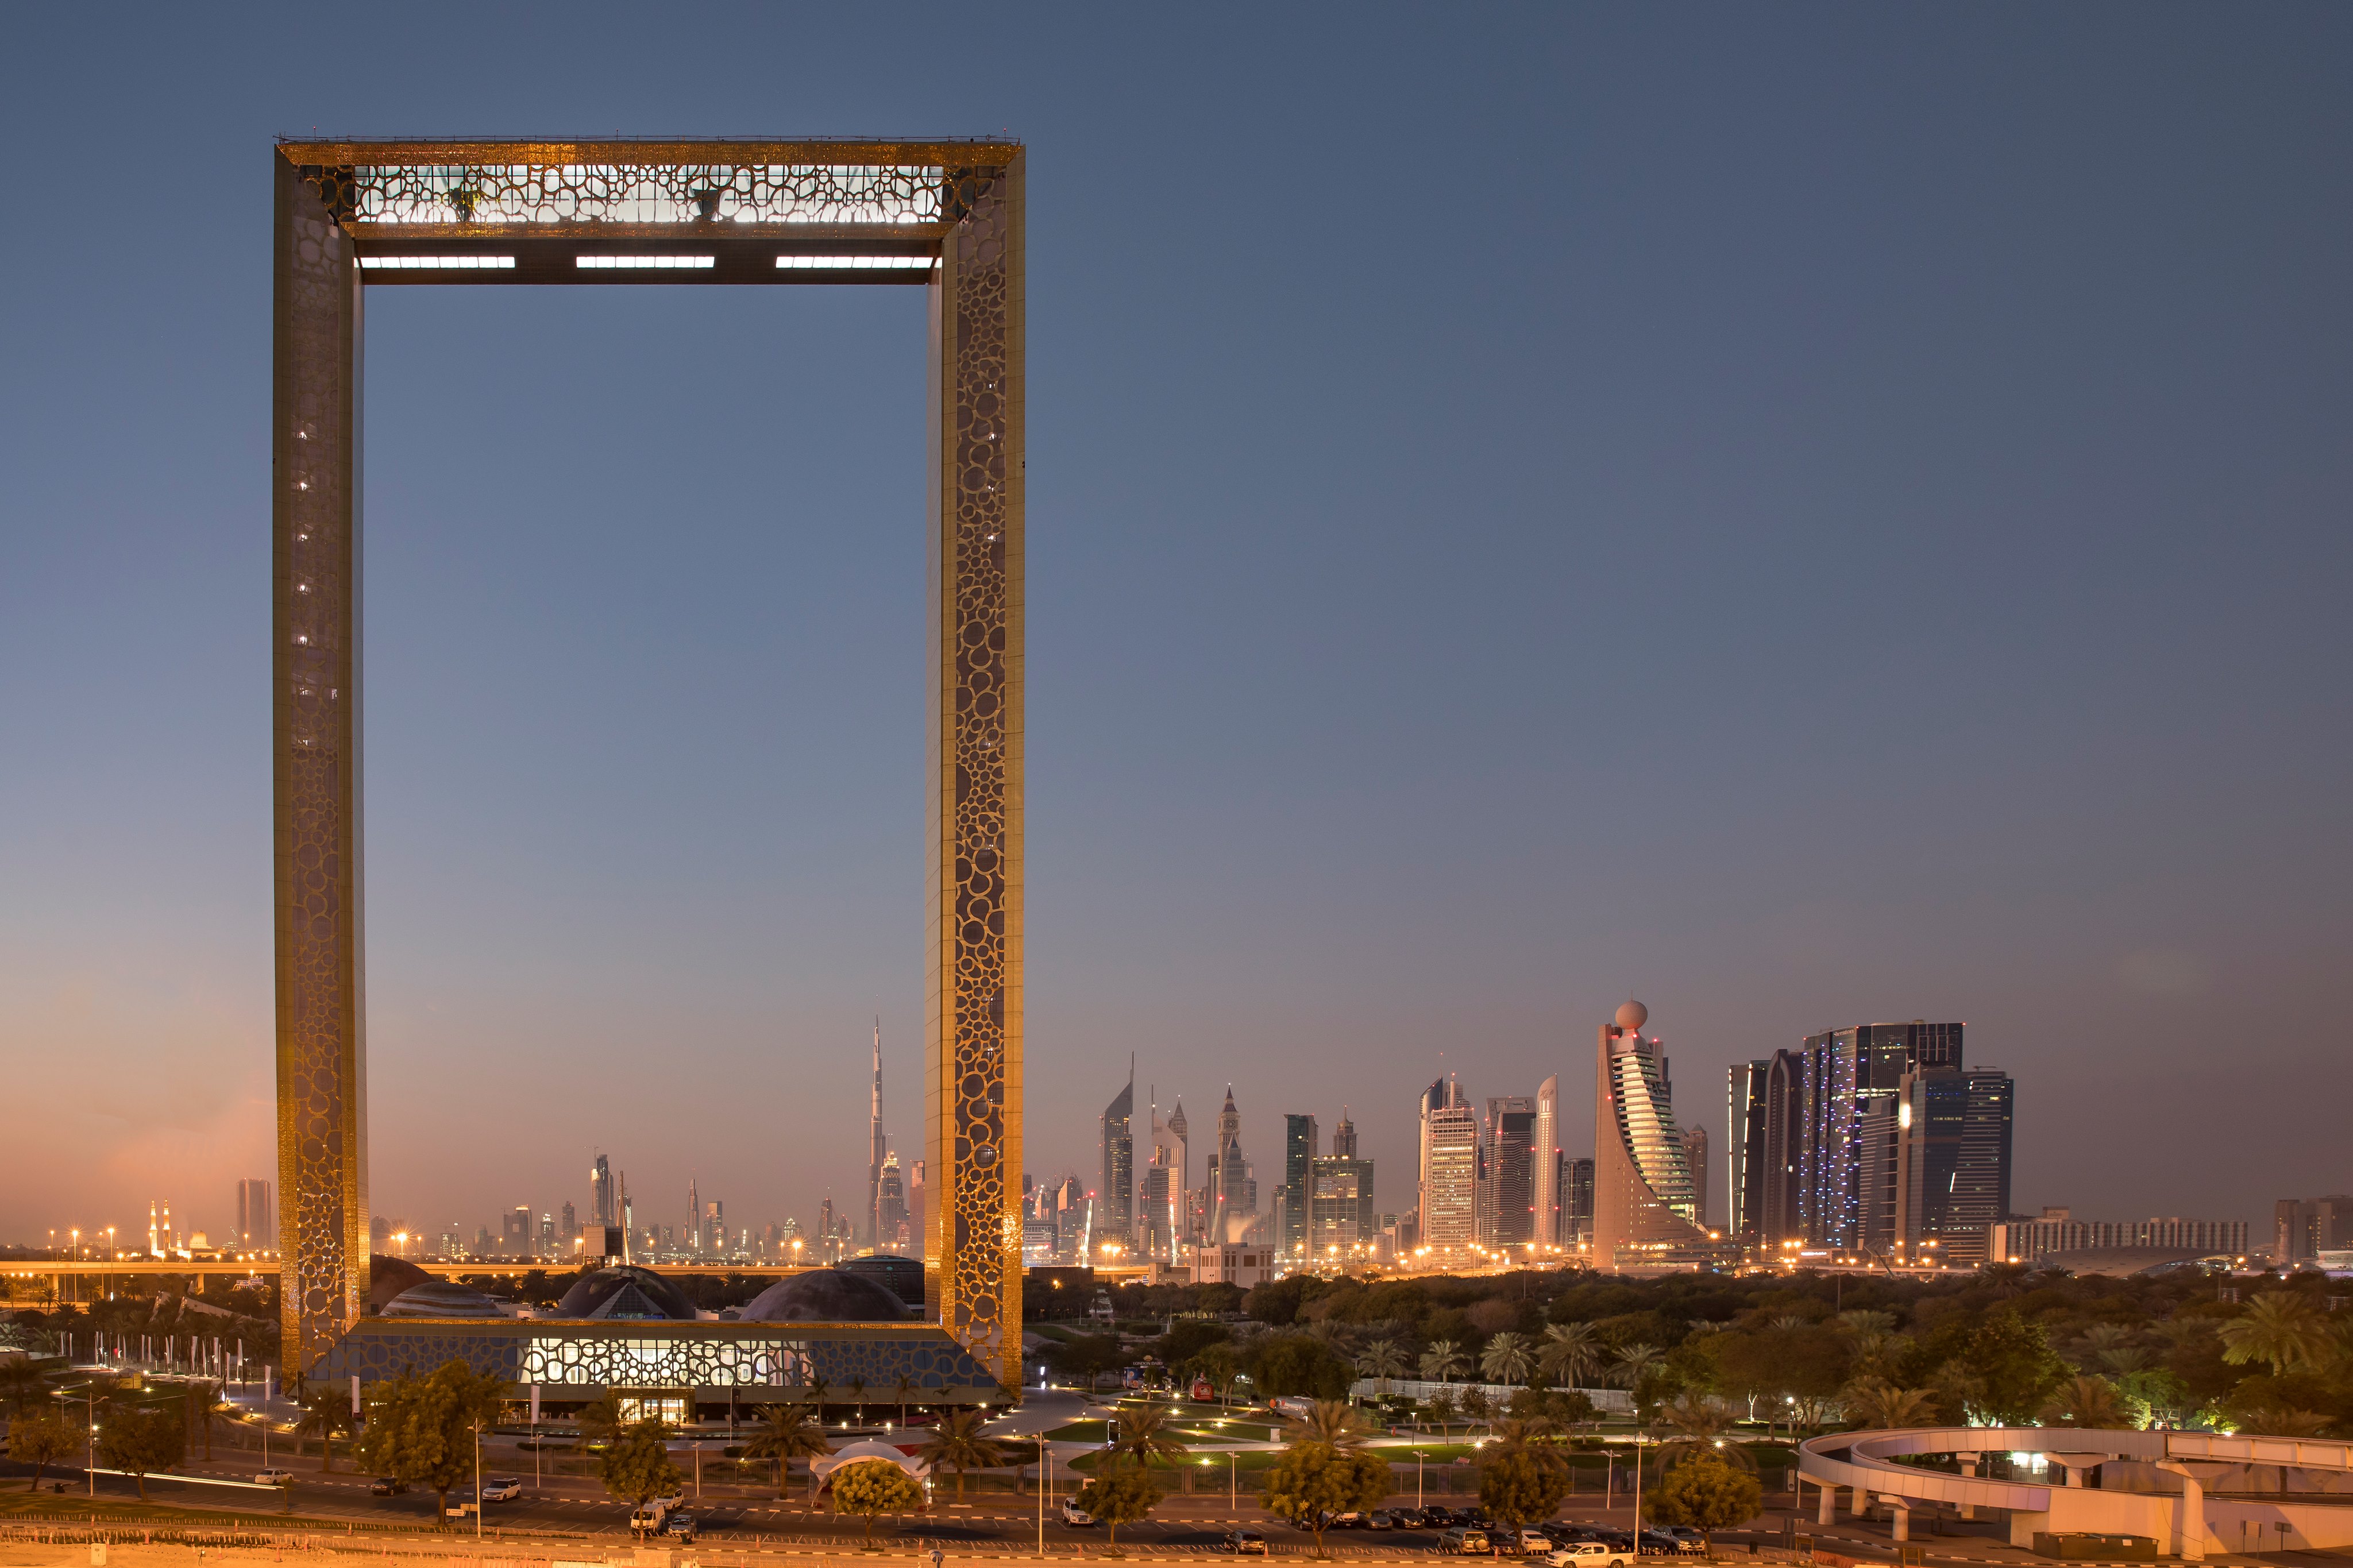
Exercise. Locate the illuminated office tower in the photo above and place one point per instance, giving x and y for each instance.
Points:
(875, 1150)
(600, 1192)
(1449, 1168)
(1645, 1211)
(515, 1230)
(1233, 1190)
(569, 1227)
(1545, 1227)
(1115, 1215)
(1300, 1147)
(1508, 1172)
(1576, 1204)
(547, 1234)
(1746, 1086)
(1695, 1162)
(896, 1233)
(257, 1223)
(1847, 1075)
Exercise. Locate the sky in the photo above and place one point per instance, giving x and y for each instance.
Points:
(1806, 515)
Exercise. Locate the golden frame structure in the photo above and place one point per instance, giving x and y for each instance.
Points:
(944, 215)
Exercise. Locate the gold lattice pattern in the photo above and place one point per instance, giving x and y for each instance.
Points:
(321, 1099)
(980, 1307)
(567, 193)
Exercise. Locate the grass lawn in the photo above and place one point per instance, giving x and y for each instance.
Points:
(27, 1507)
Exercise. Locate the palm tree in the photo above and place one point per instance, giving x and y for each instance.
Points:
(1866, 1320)
(1149, 1433)
(2278, 1327)
(1881, 1406)
(1382, 1359)
(958, 1444)
(1331, 1422)
(327, 1411)
(1443, 1360)
(857, 1397)
(1507, 1358)
(602, 1421)
(1537, 1437)
(818, 1388)
(2087, 1402)
(2276, 1421)
(1699, 1425)
(1631, 1364)
(788, 1432)
(21, 1386)
(1568, 1349)
(205, 1410)
(906, 1385)
(2125, 1359)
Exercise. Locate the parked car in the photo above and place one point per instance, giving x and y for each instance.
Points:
(1351, 1519)
(1658, 1543)
(1693, 1540)
(1381, 1519)
(502, 1489)
(1464, 1541)
(273, 1478)
(387, 1486)
(648, 1515)
(1075, 1515)
(1245, 1542)
(673, 1499)
(1589, 1554)
(681, 1524)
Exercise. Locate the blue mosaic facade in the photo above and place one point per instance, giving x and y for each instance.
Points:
(771, 1358)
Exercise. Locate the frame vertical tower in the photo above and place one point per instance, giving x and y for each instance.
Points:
(948, 215)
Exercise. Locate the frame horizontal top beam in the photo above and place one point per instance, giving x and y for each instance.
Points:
(952, 152)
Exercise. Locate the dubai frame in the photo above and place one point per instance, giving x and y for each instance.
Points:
(947, 214)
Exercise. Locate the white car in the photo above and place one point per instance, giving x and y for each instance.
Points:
(675, 1500)
(1074, 1514)
(650, 1516)
(1590, 1554)
(502, 1489)
(273, 1478)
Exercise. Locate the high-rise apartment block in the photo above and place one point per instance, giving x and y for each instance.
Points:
(1341, 1218)
(1546, 1229)
(1576, 1204)
(1875, 1141)
(600, 1193)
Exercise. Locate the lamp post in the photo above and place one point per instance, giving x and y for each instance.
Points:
(1638, 1492)
(477, 1480)
(1418, 1455)
(1041, 1491)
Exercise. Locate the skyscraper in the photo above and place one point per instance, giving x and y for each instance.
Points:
(1644, 1210)
(1300, 1147)
(1545, 1229)
(257, 1223)
(1695, 1162)
(1782, 1215)
(1507, 1188)
(1575, 1203)
(1848, 1073)
(1344, 1137)
(1116, 1216)
(1233, 1189)
(1182, 1203)
(691, 1234)
(1744, 1166)
(875, 1152)
(600, 1193)
(1450, 1167)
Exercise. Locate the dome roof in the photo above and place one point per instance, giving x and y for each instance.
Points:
(825, 1296)
(1633, 1015)
(625, 1290)
(441, 1299)
(389, 1277)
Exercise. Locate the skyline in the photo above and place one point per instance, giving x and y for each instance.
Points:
(1863, 547)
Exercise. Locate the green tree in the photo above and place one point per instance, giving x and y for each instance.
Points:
(141, 1441)
(1568, 1350)
(1218, 1363)
(2279, 1328)
(1707, 1495)
(958, 1444)
(1443, 1360)
(789, 1432)
(326, 1412)
(869, 1487)
(1519, 1486)
(1314, 1481)
(2014, 1364)
(1121, 1492)
(1700, 1427)
(1441, 1407)
(636, 1465)
(603, 1418)
(2086, 1402)
(421, 1430)
(40, 1440)
(205, 1411)
(22, 1385)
